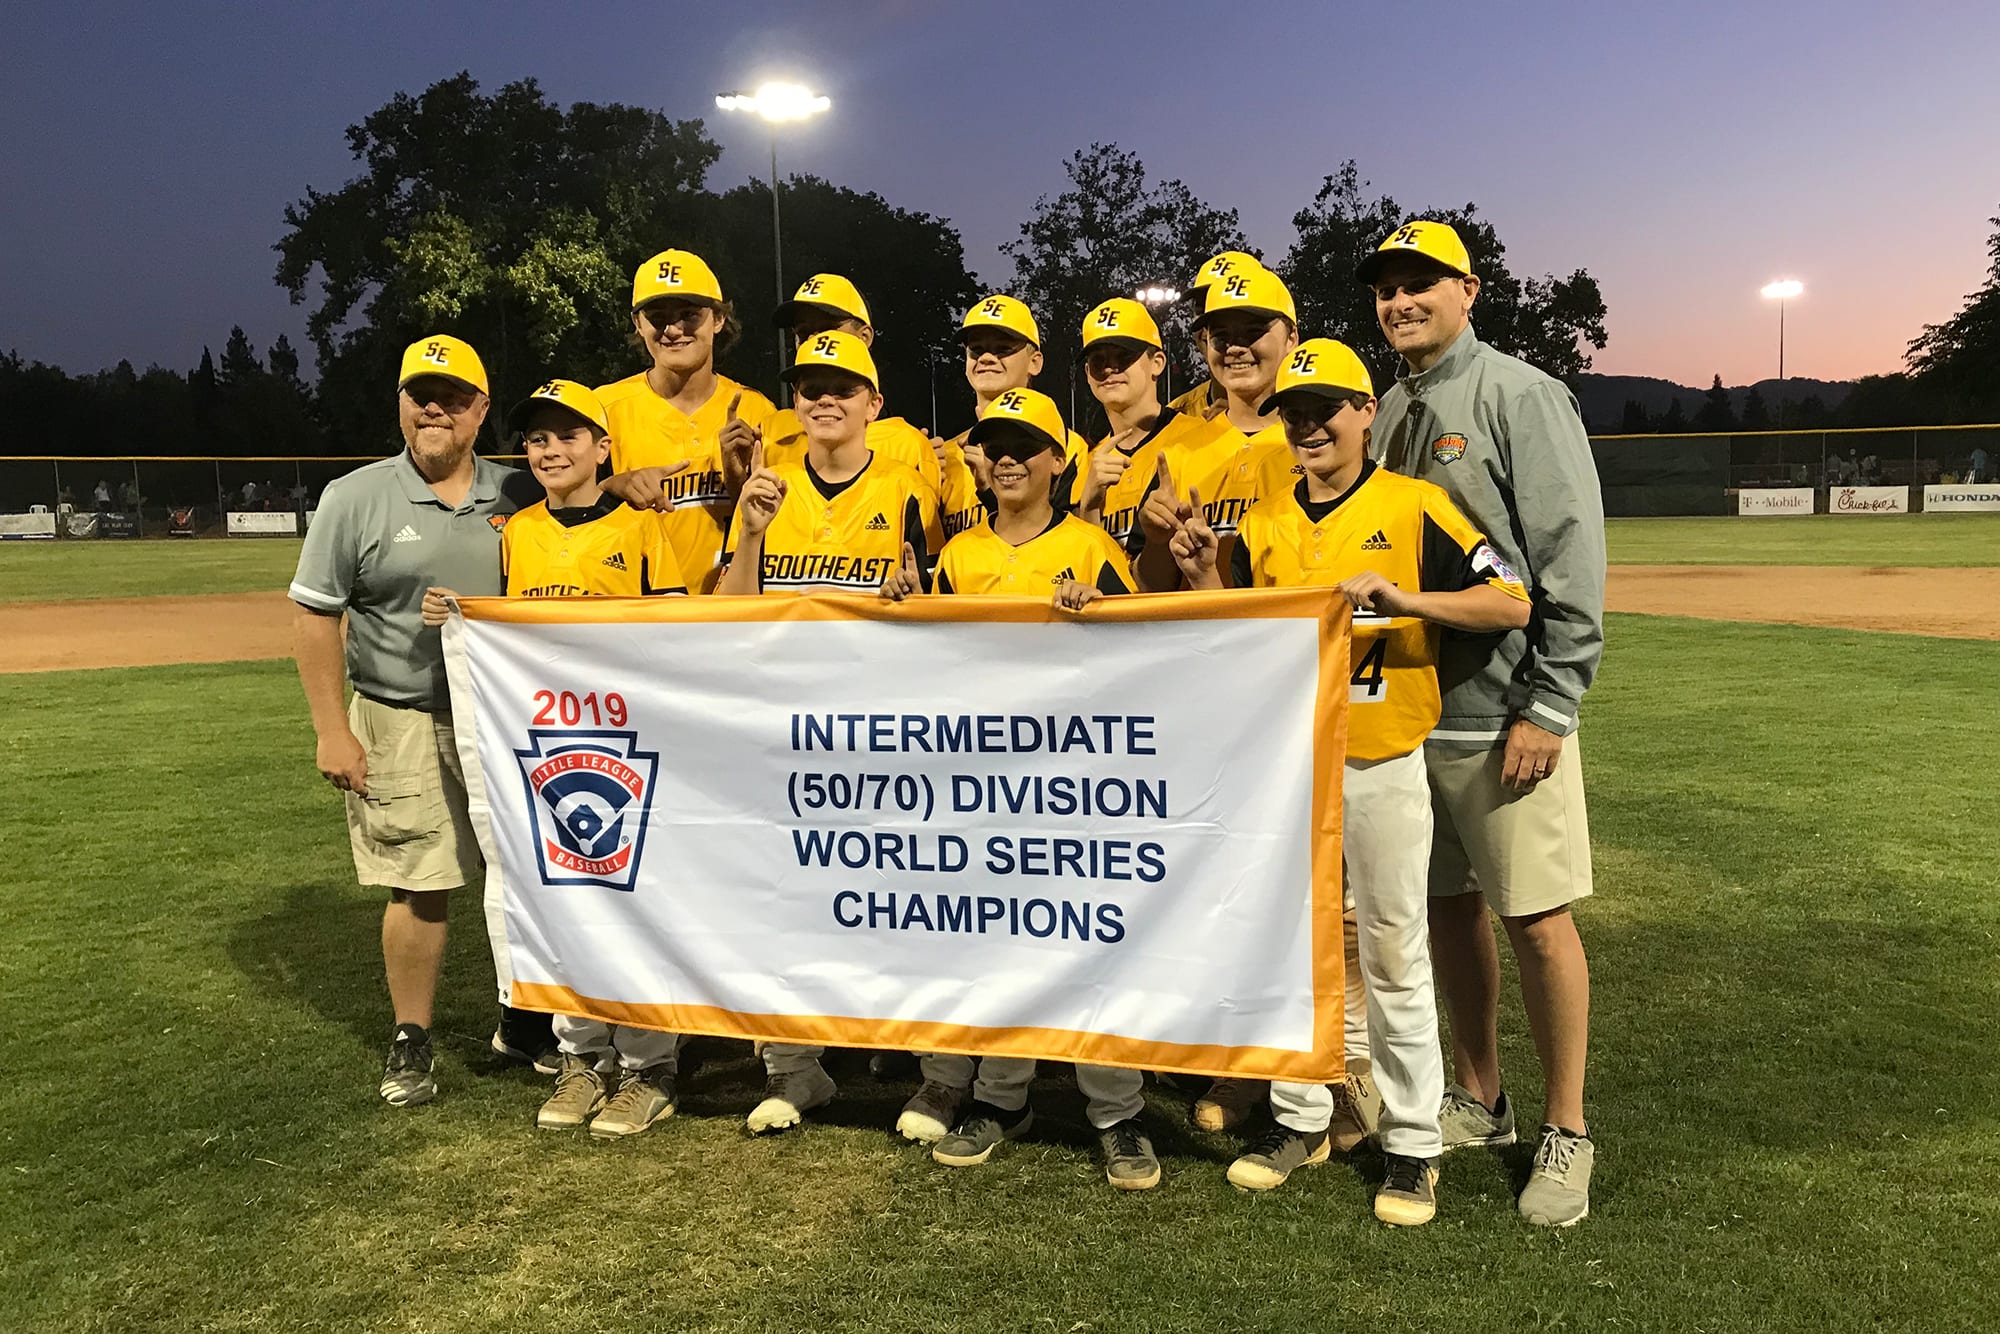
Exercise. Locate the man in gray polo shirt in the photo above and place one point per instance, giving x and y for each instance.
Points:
(1506, 772)
(383, 534)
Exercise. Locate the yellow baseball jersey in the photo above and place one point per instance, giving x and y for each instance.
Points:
(649, 432)
(607, 550)
(840, 537)
(1200, 401)
(1179, 437)
(981, 561)
(1411, 534)
(888, 438)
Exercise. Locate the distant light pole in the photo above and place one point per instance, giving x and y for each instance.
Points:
(776, 103)
(1153, 298)
(1781, 291)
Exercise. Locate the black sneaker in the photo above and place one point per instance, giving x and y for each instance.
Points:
(1129, 1162)
(979, 1132)
(407, 1079)
(1270, 1160)
(1408, 1197)
(528, 1037)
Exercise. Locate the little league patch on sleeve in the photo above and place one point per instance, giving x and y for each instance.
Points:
(1448, 448)
(1487, 561)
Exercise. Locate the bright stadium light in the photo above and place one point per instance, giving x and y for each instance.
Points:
(1156, 296)
(776, 103)
(1781, 291)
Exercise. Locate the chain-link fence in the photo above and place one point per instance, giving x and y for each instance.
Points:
(1640, 474)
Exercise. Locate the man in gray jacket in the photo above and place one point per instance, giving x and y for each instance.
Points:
(1506, 773)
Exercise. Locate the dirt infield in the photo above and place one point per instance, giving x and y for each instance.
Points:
(1950, 603)
(144, 632)
(233, 627)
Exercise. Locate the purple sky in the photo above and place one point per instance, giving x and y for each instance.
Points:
(1684, 154)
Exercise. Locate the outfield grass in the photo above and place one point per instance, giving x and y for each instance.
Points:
(62, 571)
(1825, 539)
(1793, 1088)
(35, 571)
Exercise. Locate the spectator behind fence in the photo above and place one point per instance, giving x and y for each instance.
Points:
(101, 497)
(1980, 465)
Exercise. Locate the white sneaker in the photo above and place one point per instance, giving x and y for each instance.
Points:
(788, 1097)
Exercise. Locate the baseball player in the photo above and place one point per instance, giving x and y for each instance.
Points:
(383, 533)
(1003, 350)
(1248, 325)
(837, 521)
(1205, 397)
(581, 542)
(680, 432)
(1123, 359)
(1505, 764)
(1028, 547)
(1410, 564)
(825, 303)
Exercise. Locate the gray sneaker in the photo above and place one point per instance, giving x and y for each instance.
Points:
(1272, 1159)
(1467, 1123)
(407, 1078)
(1408, 1195)
(788, 1097)
(579, 1091)
(643, 1097)
(931, 1111)
(1129, 1163)
(979, 1132)
(1558, 1191)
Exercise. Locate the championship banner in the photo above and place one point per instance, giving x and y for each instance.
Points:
(956, 824)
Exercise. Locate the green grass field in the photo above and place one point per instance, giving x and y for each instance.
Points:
(1793, 1088)
(32, 571)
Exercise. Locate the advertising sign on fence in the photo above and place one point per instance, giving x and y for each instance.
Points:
(1962, 498)
(1868, 500)
(256, 523)
(17, 527)
(1776, 500)
(117, 524)
(181, 522)
(707, 815)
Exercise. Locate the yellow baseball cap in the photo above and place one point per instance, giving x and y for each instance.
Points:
(1122, 322)
(564, 394)
(826, 292)
(1022, 411)
(1255, 290)
(679, 273)
(1221, 266)
(834, 351)
(1435, 241)
(441, 354)
(1319, 368)
(1001, 312)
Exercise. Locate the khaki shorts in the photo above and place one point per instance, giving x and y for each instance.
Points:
(412, 830)
(1529, 852)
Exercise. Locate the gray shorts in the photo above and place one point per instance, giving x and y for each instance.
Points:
(1527, 852)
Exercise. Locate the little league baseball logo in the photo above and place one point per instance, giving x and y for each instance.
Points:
(587, 801)
(1448, 448)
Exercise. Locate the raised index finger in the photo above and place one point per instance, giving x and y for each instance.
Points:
(1166, 480)
(732, 404)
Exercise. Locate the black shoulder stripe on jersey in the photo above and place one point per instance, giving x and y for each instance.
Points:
(1240, 574)
(1446, 566)
(1108, 581)
(913, 533)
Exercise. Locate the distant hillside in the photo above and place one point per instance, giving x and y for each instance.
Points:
(1603, 397)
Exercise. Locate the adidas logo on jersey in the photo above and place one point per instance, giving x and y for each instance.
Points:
(878, 524)
(1069, 572)
(408, 534)
(615, 561)
(1379, 542)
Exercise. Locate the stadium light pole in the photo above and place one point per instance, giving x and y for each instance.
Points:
(776, 104)
(1781, 291)
(1153, 298)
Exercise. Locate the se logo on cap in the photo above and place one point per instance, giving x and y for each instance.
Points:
(1012, 401)
(1302, 363)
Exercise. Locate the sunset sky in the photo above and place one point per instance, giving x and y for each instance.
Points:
(1683, 154)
